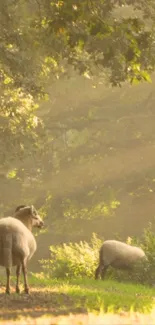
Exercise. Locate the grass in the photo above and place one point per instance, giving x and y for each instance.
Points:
(108, 295)
(83, 301)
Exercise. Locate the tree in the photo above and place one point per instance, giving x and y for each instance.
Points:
(94, 38)
(41, 39)
(37, 36)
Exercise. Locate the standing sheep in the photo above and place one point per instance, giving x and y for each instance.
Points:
(17, 243)
(118, 255)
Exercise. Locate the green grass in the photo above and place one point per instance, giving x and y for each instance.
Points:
(51, 298)
(96, 295)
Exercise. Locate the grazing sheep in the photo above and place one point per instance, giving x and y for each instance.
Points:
(118, 255)
(17, 243)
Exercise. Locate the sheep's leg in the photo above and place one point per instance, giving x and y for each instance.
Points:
(24, 269)
(8, 281)
(103, 271)
(97, 272)
(18, 271)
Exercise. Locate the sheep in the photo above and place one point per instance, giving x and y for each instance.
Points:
(17, 243)
(119, 255)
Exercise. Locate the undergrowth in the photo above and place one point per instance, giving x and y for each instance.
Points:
(78, 260)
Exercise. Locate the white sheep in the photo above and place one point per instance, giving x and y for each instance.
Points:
(119, 255)
(17, 243)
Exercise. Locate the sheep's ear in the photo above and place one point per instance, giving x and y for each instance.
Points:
(20, 207)
(32, 209)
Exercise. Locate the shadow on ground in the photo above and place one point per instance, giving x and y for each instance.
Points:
(37, 304)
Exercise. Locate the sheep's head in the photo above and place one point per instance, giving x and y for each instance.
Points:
(36, 220)
(28, 214)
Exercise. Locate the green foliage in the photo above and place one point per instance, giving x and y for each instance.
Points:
(73, 260)
(95, 38)
(18, 125)
(80, 260)
(40, 40)
(106, 207)
(90, 36)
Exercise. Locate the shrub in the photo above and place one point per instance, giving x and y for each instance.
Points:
(73, 260)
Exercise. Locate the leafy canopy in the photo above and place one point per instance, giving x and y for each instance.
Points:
(36, 36)
(113, 40)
